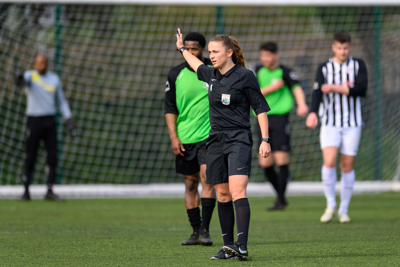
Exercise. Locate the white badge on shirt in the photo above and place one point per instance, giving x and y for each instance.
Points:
(167, 87)
(293, 75)
(226, 99)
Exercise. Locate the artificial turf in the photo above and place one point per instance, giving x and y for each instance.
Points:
(148, 232)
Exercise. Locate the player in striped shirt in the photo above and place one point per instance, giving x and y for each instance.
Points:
(340, 82)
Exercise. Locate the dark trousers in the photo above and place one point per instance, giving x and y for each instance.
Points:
(37, 129)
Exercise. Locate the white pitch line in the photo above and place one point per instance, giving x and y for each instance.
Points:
(177, 190)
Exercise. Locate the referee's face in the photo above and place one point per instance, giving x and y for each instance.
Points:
(195, 49)
(219, 56)
(341, 51)
(269, 59)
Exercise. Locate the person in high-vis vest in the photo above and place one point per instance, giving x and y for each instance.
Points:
(44, 96)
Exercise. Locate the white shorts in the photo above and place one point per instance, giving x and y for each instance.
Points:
(345, 138)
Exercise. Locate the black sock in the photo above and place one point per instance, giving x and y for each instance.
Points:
(26, 181)
(282, 183)
(207, 208)
(242, 208)
(272, 177)
(227, 221)
(194, 219)
(26, 186)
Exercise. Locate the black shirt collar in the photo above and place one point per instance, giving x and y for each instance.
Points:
(229, 72)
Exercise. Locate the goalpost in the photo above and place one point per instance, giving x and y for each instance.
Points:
(113, 58)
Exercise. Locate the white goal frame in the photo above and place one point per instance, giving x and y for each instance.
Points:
(221, 2)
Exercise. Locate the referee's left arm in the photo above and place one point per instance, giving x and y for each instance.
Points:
(260, 106)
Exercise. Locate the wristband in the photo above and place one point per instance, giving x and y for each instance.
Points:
(182, 49)
(268, 140)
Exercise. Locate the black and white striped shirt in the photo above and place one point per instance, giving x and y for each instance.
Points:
(337, 109)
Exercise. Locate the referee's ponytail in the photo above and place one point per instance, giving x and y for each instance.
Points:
(230, 43)
(237, 53)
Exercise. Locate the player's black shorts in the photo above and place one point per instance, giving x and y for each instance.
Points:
(228, 153)
(193, 157)
(279, 131)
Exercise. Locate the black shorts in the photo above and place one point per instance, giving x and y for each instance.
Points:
(228, 153)
(193, 157)
(279, 131)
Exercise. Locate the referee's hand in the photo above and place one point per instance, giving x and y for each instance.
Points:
(177, 146)
(265, 149)
(179, 42)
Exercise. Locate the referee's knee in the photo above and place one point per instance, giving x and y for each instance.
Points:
(224, 195)
(238, 194)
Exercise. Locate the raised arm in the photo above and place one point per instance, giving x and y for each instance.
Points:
(193, 61)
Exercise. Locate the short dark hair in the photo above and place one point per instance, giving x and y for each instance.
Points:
(269, 46)
(195, 36)
(342, 37)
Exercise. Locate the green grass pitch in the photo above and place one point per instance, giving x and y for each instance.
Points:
(148, 232)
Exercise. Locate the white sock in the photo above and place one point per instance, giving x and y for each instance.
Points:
(329, 182)
(346, 190)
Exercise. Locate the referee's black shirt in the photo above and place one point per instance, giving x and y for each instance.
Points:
(230, 96)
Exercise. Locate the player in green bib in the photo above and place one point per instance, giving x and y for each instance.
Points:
(279, 85)
(186, 114)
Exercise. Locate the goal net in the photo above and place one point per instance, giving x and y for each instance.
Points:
(113, 61)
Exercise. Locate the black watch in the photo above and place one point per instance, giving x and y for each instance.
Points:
(182, 49)
(268, 140)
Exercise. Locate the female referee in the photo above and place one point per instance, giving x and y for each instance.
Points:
(232, 90)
